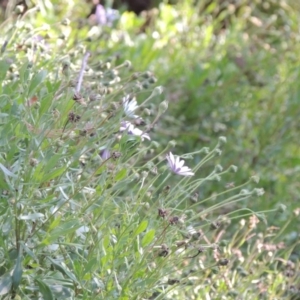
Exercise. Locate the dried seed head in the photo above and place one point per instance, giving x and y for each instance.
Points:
(215, 225)
(127, 63)
(223, 262)
(162, 213)
(76, 97)
(153, 171)
(194, 197)
(196, 235)
(95, 97)
(147, 74)
(145, 85)
(116, 155)
(73, 118)
(173, 281)
(174, 220)
(139, 122)
(166, 189)
(33, 162)
(152, 80)
(164, 250)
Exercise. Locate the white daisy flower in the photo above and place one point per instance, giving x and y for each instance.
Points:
(130, 105)
(125, 125)
(177, 166)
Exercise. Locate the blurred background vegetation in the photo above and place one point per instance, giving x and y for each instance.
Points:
(229, 68)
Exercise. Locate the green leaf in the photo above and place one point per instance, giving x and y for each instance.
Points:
(90, 265)
(36, 81)
(54, 174)
(63, 269)
(6, 171)
(148, 237)
(55, 223)
(45, 290)
(142, 227)
(5, 283)
(121, 174)
(24, 73)
(4, 66)
(45, 102)
(18, 271)
(62, 230)
(29, 252)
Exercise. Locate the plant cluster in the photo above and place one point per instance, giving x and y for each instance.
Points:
(95, 203)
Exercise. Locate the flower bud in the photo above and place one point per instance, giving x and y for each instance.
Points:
(155, 144)
(127, 63)
(163, 106)
(135, 76)
(205, 150)
(144, 174)
(222, 140)
(172, 144)
(147, 74)
(152, 80)
(145, 85)
(147, 112)
(258, 192)
(281, 207)
(233, 168)
(218, 151)
(245, 192)
(255, 179)
(214, 177)
(157, 91)
(218, 168)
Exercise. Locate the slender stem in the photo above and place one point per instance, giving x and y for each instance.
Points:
(83, 66)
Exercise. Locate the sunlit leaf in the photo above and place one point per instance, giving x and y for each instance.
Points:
(142, 227)
(148, 237)
(121, 174)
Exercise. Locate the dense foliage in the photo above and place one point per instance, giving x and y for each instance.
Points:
(93, 203)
